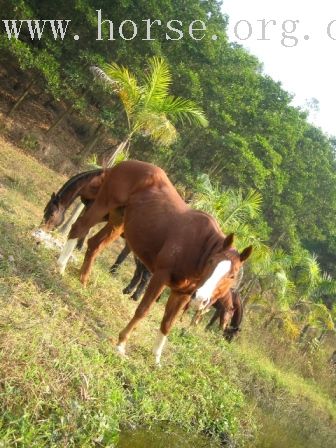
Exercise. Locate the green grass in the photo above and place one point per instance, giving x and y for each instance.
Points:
(61, 382)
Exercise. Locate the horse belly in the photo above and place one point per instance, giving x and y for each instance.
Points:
(146, 230)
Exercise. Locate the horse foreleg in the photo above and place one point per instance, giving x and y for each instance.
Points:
(96, 244)
(185, 309)
(175, 304)
(91, 216)
(225, 317)
(154, 289)
(213, 319)
(198, 316)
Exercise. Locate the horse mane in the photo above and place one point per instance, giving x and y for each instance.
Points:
(73, 180)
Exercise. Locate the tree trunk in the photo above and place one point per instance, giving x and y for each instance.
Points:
(322, 336)
(303, 332)
(120, 148)
(93, 140)
(60, 118)
(20, 99)
(65, 229)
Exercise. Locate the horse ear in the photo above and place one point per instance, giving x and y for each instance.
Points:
(228, 241)
(53, 196)
(246, 253)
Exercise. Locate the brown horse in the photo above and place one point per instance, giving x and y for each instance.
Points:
(229, 311)
(183, 248)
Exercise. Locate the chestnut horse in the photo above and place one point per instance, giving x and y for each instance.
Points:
(229, 311)
(183, 248)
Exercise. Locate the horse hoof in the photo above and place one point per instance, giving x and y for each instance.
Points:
(83, 280)
(61, 268)
(158, 361)
(121, 350)
(126, 291)
(135, 298)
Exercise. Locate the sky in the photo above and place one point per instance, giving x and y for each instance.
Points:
(306, 67)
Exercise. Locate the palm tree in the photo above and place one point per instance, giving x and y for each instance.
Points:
(233, 210)
(149, 108)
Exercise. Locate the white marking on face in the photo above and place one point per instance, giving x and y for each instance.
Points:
(65, 254)
(205, 292)
(160, 343)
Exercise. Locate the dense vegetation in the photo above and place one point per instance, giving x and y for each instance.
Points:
(259, 166)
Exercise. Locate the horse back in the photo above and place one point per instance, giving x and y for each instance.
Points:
(130, 178)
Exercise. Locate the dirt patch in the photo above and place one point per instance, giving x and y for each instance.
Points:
(28, 126)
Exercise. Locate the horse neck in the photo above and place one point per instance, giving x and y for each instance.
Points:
(212, 244)
(72, 188)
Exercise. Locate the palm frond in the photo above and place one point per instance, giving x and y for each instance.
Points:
(149, 108)
(182, 110)
(157, 126)
(242, 208)
(320, 315)
(325, 287)
(128, 89)
(157, 82)
(309, 273)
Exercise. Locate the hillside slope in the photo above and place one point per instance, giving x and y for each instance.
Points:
(61, 383)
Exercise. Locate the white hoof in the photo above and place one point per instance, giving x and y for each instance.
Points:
(121, 350)
(61, 267)
(158, 362)
(157, 351)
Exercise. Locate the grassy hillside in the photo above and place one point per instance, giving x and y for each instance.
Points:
(62, 385)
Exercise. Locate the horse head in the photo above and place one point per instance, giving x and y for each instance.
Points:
(219, 274)
(53, 214)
